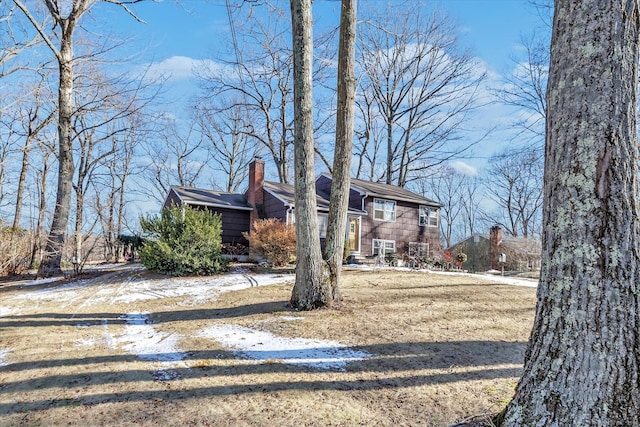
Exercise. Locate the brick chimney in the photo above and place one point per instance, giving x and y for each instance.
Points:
(255, 194)
(495, 240)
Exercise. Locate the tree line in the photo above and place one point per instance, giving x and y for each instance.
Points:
(80, 135)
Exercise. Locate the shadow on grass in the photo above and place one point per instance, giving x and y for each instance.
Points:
(392, 365)
(95, 319)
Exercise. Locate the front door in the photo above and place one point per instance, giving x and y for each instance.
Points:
(354, 235)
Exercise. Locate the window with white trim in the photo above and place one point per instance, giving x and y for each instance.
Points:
(428, 216)
(386, 246)
(323, 220)
(417, 249)
(384, 210)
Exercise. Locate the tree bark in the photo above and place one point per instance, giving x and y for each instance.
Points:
(311, 288)
(583, 359)
(341, 177)
(57, 235)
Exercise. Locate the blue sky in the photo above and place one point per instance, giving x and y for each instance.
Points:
(177, 35)
(491, 28)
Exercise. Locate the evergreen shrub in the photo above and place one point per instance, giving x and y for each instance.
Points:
(183, 241)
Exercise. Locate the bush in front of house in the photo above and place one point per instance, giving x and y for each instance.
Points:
(182, 242)
(273, 240)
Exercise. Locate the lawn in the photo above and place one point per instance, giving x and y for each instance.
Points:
(128, 347)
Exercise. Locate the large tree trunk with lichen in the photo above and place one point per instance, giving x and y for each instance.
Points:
(583, 359)
(311, 288)
(341, 177)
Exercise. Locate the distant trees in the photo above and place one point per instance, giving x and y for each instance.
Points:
(258, 80)
(513, 181)
(417, 88)
(60, 40)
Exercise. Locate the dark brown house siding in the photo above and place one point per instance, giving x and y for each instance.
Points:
(404, 230)
(234, 222)
(273, 208)
(323, 185)
(172, 199)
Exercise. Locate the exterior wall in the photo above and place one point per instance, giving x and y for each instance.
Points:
(404, 230)
(172, 198)
(273, 208)
(323, 184)
(234, 222)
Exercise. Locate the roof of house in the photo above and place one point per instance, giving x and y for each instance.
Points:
(388, 191)
(217, 199)
(286, 194)
(519, 245)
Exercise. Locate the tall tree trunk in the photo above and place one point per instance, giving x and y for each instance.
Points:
(341, 177)
(311, 289)
(57, 235)
(583, 360)
(26, 150)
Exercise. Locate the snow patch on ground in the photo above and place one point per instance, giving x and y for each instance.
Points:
(145, 342)
(3, 357)
(6, 311)
(262, 346)
(199, 289)
(133, 289)
(505, 280)
(41, 281)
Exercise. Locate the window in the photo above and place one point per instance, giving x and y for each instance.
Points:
(322, 222)
(428, 216)
(417, 249)
(322, 225)
(386, 246)
(384, 210)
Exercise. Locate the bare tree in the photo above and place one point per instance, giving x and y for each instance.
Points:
(448, 188)
(66, 17)
(514, 182)
(110, 190)
(176, 155)
(311, 288)
(582, 362)
(341, 176)
(525, 88)
(230, 146)
(259, 79)
(422, 86)
(35, 116)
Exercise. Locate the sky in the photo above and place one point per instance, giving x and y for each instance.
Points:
(177, 36)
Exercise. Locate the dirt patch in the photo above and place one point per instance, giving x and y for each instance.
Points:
(130, 348)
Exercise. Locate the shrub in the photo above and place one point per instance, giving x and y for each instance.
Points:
(15, 251)
(273, 240)
(182, 242)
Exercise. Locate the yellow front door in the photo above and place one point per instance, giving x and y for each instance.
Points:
(354, 235)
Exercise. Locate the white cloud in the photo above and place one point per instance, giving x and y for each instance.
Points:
(181, 67)
(464, 168)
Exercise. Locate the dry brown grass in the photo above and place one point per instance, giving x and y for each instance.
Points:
(445, 348)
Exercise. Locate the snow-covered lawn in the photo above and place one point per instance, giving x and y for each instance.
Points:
(148, 343)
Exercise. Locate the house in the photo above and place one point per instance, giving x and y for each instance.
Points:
(485, 251)
(380, 218)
